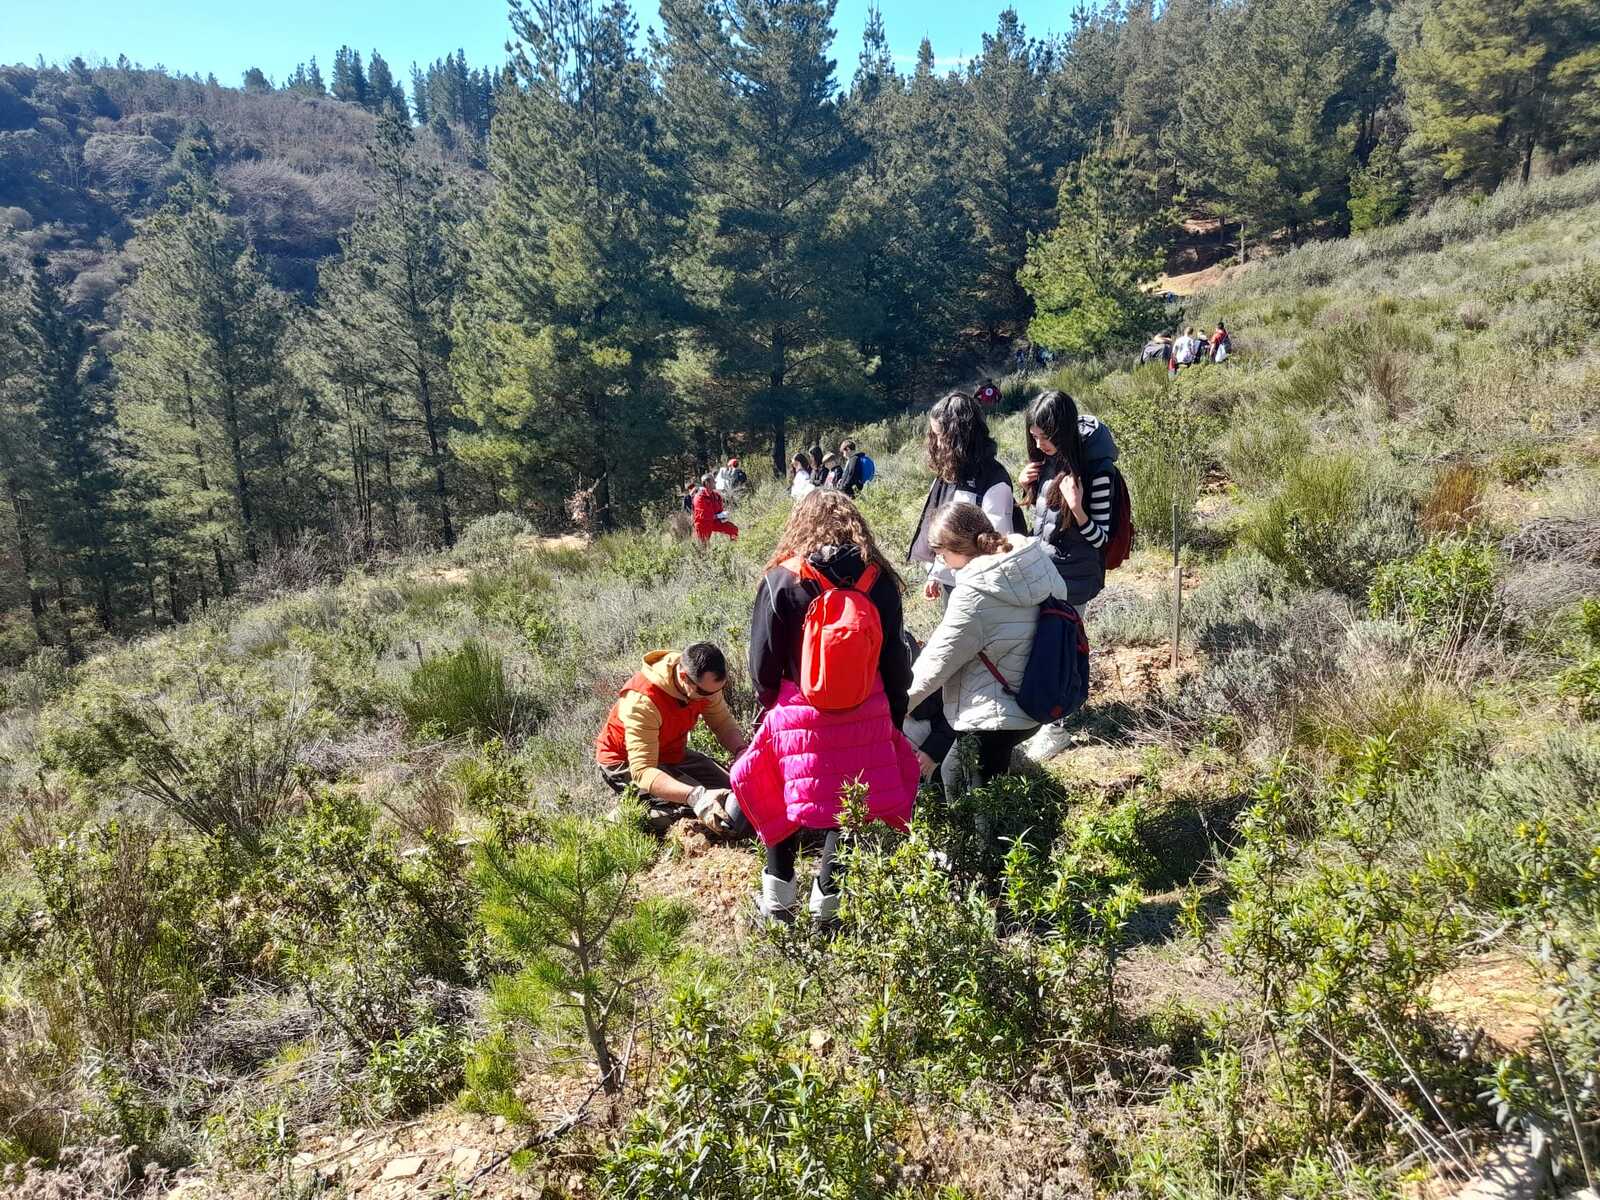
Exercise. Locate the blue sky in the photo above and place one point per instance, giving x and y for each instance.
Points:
(226, 36)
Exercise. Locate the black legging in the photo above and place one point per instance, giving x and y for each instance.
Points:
(994, 757)
(781, 858)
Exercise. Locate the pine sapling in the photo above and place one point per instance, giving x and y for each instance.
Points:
(568, 910)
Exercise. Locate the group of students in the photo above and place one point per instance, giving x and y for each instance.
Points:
(848, 471)
(846, 695)
(1188, 349)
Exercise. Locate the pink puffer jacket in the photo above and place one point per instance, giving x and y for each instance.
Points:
(791, 776)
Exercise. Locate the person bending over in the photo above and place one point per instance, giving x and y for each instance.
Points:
(645, 740)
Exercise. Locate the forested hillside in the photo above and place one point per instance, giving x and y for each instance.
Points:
(318, 894)
(326, 319)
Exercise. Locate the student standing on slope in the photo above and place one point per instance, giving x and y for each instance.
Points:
(832, 704)
(962, 455)
(978, 653)
(1068, 483)
(800, 484)
(709, 512)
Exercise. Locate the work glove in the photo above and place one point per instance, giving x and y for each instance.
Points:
(709, 806)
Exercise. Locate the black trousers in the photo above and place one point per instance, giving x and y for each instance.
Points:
(994, 757)
(781, 858)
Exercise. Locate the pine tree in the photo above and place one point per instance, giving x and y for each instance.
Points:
(349, 78)
(255, 80)
(750, 91)
(1009, 162)
(1488, 83)
(571, 297)
(385, 306)
(21, 458)
(1087, 277)
(382, 89)
(913, 239)
(79, 488)
(1262, 127)
(200, 366)
(420, 108)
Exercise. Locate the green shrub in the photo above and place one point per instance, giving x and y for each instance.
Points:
(491, 539)
(1162, 437)
(1446, 591)
(1335, 944)
(225, 760)
(1522, 466)
(746, 1111)
(1581, 681)
(462, 693)
(1261, 445)
(567, 910)
(120, 957)
(414, 1071)
(363, 927)
(1332, 524)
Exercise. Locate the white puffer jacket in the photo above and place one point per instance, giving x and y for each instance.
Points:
(993, 609)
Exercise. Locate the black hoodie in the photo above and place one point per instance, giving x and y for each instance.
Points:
(777, 623)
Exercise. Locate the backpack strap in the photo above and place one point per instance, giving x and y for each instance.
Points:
(995, 671)
(863, 585)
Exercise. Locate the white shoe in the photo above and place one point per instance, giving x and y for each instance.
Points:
(776, 905)
(824, 908)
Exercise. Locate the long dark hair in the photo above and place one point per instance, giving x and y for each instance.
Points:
(958, 437)
(1056, 414)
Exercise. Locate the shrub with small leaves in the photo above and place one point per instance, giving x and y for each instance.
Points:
(1446, 591)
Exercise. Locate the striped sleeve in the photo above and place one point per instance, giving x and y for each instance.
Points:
(1097, 529)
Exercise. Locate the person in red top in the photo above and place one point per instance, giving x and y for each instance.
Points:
(645, 740)
(987, 394)
(709, 514)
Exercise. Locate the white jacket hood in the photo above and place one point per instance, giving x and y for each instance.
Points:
(1022, 575)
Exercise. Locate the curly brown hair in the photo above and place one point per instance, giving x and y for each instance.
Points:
(958, 437)
(829, 518)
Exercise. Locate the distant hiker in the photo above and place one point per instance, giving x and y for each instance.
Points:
(800, 477)
(979, 652)
(987, 394)
(1157, 349)
(819, 472)
(834, 467)
(731, 479)
(1072, 484)
(710, 515)
(1187, 349)
(1021, 358)
(962, 455)
(857, 471)
(1221, 344)
(645, 740)
(830, 671)
(687, 499)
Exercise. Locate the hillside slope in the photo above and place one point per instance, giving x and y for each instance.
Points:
(1311, 915)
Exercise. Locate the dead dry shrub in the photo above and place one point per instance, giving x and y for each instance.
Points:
(1455, 502)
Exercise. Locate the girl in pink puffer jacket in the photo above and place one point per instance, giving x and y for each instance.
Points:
(802, 757)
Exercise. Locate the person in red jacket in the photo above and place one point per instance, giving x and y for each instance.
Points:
(709, 516)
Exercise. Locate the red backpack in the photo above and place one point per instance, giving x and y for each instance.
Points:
(840, 642)
(1120, 544)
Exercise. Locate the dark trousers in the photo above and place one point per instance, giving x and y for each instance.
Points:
(781, 858)
(694, 769)
(994, 757)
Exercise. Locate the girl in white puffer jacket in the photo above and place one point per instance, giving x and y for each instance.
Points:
(1000, 581)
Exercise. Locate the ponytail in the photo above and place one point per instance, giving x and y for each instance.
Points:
(965, 529)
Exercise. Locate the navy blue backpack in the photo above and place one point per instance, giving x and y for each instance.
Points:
(1055, 683)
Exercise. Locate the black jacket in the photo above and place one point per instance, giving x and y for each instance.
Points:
(972, 489)
(850, 481)
(777, 624)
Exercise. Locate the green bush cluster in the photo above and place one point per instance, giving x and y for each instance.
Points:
(1333, 523)
(463, 693)
(1446, 591)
